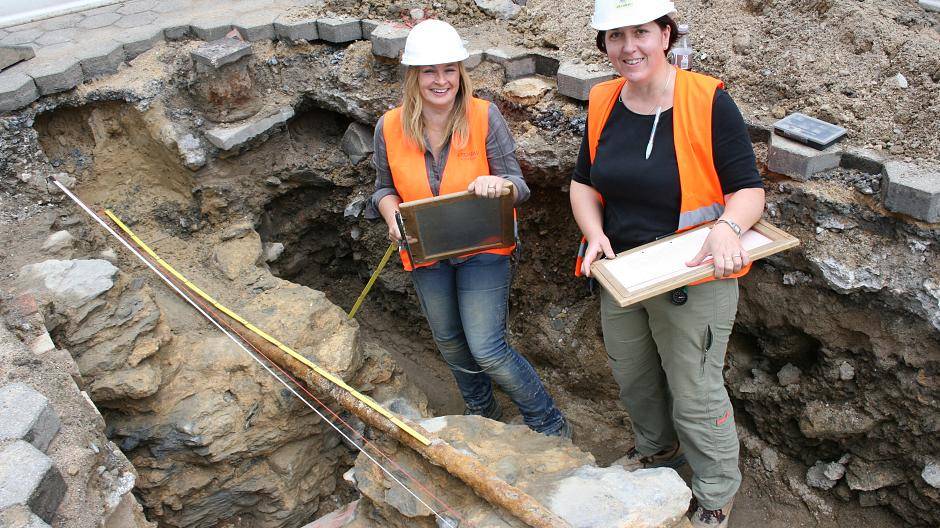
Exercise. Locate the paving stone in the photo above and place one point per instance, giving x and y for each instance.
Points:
(339, 30)
(10, 55)
(57, 37)
(181, 32)
(57, 75)
(136, 20)
(19, 516)
(170, 6)
(229, 138)
(28, 478)
(256, 25)
(24, 36)
(16, 91)
(545, 64)
(139, 40)
(99, 21)
(291, 30)
(357, 142)
(517, 63)
(576, 80)
(136, 7)
(912, 190)
(212, 28)
(388, 40)
(368, 26)
(100, 58)
(27, 415)
(865, 160)
(800, 161)
(220, 52)
(62, 22)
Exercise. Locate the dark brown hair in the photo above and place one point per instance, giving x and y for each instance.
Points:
(662, 22)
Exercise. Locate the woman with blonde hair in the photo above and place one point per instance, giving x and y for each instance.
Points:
(443, 140)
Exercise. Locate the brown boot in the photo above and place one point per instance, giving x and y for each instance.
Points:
(703, 518)
(671, 458)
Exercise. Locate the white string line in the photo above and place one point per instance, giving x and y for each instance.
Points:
(198, 308)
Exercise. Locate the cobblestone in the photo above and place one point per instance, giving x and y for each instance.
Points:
(28, 478)
(339, 30)
(800, 161)
(57, 75)
(211, 28)
(27, 415)
(516, 62)
(912, 190)
(388, 40)
(139, 40)
(102, 58)
(576, 80)
(292, 30)
(257, 25)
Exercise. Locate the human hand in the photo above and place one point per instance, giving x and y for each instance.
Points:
(598, 246)
(488, 186)
(724, 246)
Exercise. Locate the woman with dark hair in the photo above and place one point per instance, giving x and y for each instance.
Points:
(439, 141)
(666, 150)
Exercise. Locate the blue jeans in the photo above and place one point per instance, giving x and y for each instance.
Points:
(465, 301)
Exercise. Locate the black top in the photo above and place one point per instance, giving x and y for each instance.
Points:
(642, 195)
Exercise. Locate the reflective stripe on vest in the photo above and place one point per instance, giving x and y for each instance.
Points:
(409, 171)
(702, 199)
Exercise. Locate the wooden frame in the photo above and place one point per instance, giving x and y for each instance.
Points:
(602, 270)
(457, 224)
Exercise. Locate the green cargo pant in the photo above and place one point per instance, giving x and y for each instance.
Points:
(668, 361)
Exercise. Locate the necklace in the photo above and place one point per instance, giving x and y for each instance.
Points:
(659, 111)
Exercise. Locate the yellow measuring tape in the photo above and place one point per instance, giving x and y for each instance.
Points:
(284, 348)
(375, 275)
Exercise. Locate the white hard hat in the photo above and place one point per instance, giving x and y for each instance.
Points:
(611, 14)
(433, 42)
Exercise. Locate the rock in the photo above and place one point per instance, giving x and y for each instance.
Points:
(191, 151)
(27, 415)
(799, 161)
(871, 476)
(28, 478)
(109, 254)
(835, 470)
(135, 383)
(357, 142)
(19, 516)
(10, 55)
(501, 9)
(912, 190)
(847, 278)
(576, 80)
(59, 243)
(816, 477)
(931, 474)
(789, 375)
(238, 258)
(272, 251)
(354, 208)
(846, 371)
(899, 81)
(70, 282)
(741, 43)
(769, 459)
(526, 91)
(229, 138)
(237, 230)
(826, 420)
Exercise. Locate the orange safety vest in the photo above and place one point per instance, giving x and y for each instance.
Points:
(702, 199)
(409, 172)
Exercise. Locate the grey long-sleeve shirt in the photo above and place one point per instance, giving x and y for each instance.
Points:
(500, 154)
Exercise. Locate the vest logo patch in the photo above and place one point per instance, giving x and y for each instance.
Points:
(468, 154)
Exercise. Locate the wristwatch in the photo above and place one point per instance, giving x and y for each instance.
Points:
(734, 227)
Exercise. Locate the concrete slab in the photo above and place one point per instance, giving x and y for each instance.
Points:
(388, 40)
(799, 161)
(912, 190)
(339, 30)
(576, 80)
(256, 25)
(10, 55)
(229, 138)
(221, 52)
(516, 62)
(16, 91)
(28, 478)
(357, 142)
(27, 415)
(100, 58)
(291, 30)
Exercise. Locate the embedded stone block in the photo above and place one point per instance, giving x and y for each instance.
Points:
(19, 516)
(545, 64)
(58, 75)
(516, 63)
(357, 142)
(27, 415)
(211, 28)
(234, 137)
(10, 55)
(368, 26)
(28, 478)
(339, 30)
(576, 80)
(292, 30)
(101, 58)
(388, 40)
(221, 52)
(800, 161)
(474, 60)
(16, 91)
(137, 41)
(912, 190)
(257, 25)
(174, 33)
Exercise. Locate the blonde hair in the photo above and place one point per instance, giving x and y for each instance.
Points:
(457, 127)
